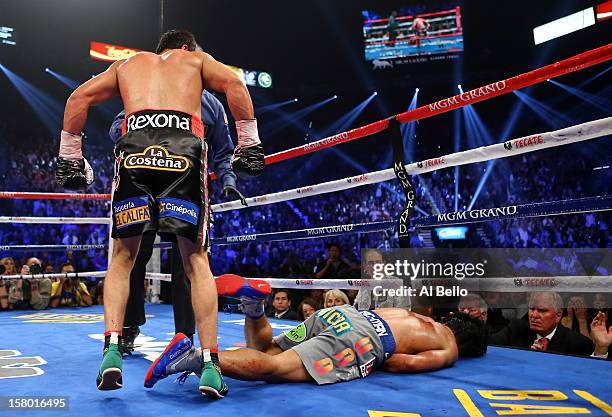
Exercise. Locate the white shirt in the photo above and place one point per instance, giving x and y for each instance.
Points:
(280, 315)
(549, 336)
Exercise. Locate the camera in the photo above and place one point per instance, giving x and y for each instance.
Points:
(35, 269)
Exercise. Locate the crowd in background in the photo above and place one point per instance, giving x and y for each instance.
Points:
(530, 178)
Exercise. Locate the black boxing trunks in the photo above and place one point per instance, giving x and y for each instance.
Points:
(161, 177)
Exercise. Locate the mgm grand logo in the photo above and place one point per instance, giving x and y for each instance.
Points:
(156, 157)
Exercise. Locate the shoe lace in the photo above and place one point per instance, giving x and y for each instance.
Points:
(182, 377)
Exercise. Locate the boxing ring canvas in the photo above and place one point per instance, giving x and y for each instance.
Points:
(56, 353)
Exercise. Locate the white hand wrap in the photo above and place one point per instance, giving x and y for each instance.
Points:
(70, 146)
(247, 133)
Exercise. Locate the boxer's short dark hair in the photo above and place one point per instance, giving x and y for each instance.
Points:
(471, 334)
(174, 39)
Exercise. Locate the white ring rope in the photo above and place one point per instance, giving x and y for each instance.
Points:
(55, 220)
(95, 274)
(585, 131)
(573, 134)
(503, 284)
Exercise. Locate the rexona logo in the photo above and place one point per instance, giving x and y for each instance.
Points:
(156, 157)
(13, 365)
(158, 120)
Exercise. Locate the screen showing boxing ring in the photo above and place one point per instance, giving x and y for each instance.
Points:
(402, 36)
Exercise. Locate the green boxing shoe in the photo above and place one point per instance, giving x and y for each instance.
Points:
(109, 376)
(211, 382)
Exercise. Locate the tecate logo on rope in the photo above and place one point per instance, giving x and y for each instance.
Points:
(357, 178)
(304, 190)
(524, 142)
(431, 162)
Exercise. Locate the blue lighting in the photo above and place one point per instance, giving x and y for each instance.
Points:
(290, 118)
(273, 106)
(68, 82)
(599, 102)
(48, 109)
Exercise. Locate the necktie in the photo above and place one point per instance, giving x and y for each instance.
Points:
(544, 342)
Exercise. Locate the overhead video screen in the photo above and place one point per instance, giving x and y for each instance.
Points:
(400, 37)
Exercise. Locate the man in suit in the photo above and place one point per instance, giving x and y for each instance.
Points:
(543, 331)
(281, 303)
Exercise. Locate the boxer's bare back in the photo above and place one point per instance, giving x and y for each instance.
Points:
(421, 343)
(172, 80)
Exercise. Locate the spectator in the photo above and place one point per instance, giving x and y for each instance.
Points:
(495, 316)
(542, 331)
(576, 309)
(366, 298)
(30, 293)
(40, 289)
(352, 295)
(334, 267)
(281, 304)
(8, 266)
(601, 336)
(317, 296)
(70, 291)
(474, 305)
(335, 298)
(307, 308)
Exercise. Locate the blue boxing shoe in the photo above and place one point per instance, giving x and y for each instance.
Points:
(179, 356)
(250, 292)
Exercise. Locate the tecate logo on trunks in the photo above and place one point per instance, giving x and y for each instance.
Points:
(157, 158)
(158, 121)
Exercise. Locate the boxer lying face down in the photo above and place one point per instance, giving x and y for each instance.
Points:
(335, 344)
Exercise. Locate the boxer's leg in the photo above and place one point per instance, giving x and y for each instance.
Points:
(252, 365)
(135, 311)
(205, 306)
(258, 335)
(117, 281)
(116, 291)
